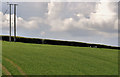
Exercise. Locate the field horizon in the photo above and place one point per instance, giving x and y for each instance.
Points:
(58, 42)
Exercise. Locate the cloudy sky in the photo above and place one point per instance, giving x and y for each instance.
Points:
(92, 22)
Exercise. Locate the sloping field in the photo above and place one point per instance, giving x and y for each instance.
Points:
(37, 59)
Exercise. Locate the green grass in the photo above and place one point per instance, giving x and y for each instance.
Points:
(38, 59)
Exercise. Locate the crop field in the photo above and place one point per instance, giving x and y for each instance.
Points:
(42, 59)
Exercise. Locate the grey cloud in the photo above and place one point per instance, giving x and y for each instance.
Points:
(34, 9)
(76, 32)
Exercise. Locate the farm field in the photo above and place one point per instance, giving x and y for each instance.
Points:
(42, 59)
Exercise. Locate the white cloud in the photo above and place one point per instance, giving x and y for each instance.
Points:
(30, 24)
(104, 13)
(103, 19)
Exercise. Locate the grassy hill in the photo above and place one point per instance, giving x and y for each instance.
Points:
(43, 59)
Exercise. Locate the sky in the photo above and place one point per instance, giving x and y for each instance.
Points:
(90, 22)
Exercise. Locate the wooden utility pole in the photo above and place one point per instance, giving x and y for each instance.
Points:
(15, 22)
(10, 23)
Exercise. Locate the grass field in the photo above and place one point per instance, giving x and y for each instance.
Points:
(38, 59)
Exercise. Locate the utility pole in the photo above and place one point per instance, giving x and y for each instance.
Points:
(10, 23)
(15, 22)
(15, 5)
